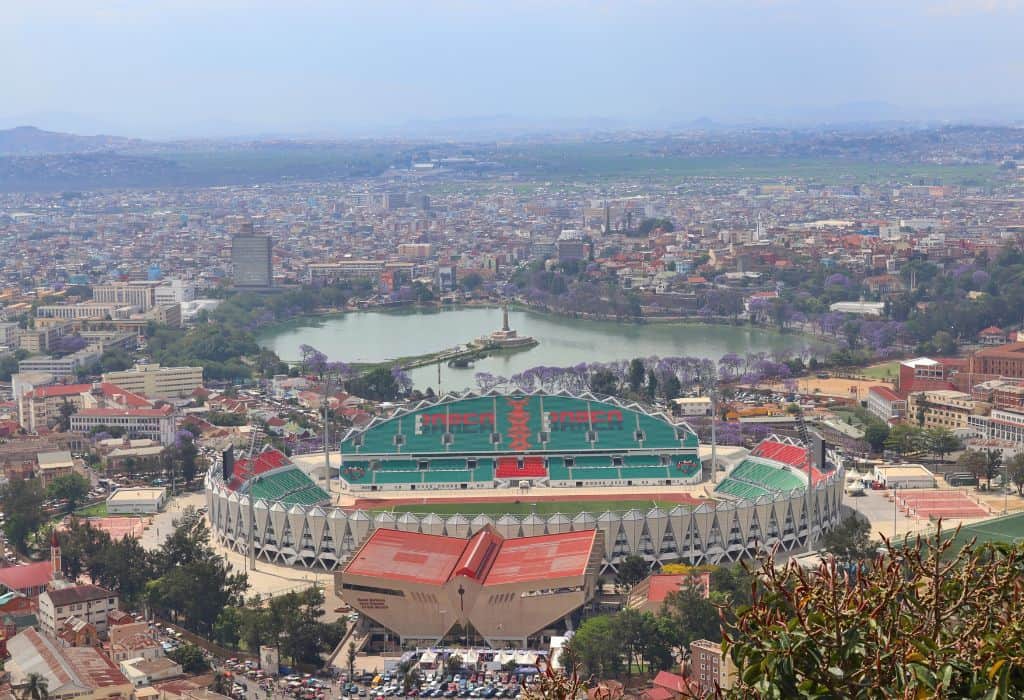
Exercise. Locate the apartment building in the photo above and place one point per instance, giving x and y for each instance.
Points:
(886, 403)
(140, 294)
(157, 424)
(67, 366)
(89, 309)
(40, 339)
(945, 408)
(40, 406)
(175, 292)
(87, 602)
(157, 382)
(251, 259)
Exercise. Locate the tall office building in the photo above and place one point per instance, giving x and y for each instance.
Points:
(251, 259)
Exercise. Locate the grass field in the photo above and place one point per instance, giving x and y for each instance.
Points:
(526, 507)
(886, 370)
(96, 510)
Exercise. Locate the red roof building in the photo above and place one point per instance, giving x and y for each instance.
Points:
(419, 586)
(29, 579)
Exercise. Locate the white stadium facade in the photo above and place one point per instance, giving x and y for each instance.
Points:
(773, 497)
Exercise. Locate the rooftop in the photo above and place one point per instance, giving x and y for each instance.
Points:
(136, 494)
(486, 557)
(18, 578)
(78, 594)
(407, 556)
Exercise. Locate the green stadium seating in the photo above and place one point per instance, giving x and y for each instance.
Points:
(592, 461)
(645, 473)
(396, 477)
(399, 465)
(447, 476)
(740, 490)
(773, 478)
(594, 473)
(290, 486)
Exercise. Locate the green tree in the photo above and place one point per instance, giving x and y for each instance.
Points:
(36, 687)
(72, 487)
(975, 463)
(596, 647)
(636, 374)
(471, 281)
(876, 433)
(191, 659)
(454, 664)
(905, 439)
(850, 540)
(67, 409)
(22, 502)
(693, 616)
(633, 570)
(351, 659)
(377, 385)
(941, 441)
(1015, 472)
(929, 620)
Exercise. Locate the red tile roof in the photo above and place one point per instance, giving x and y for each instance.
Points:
(886, 393)
(673, 682)
(129, 412)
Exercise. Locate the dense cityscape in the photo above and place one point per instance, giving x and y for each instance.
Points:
(645, 409)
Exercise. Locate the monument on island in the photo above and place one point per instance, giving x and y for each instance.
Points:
(506, 337)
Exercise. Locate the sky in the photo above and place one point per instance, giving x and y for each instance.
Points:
(173, 68)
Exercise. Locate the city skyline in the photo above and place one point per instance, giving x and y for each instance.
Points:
(226, 69)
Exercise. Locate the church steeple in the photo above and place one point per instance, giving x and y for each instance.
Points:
(55, 564)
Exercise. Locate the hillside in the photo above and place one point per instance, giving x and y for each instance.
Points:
(30, 141)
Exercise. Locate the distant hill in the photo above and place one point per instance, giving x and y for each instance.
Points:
(30, 141)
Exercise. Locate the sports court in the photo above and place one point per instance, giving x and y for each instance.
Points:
(933, 504)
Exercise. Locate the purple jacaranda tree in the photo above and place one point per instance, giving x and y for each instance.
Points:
(980, 279)
(485, 381)
(402, 380)
(837, 279)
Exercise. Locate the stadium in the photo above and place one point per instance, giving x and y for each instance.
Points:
(526, 465)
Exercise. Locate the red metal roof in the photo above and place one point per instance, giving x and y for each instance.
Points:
(886, 393)
(542, 558)
(407, 556)
(663, 584)
(486, 557)
(21, 578)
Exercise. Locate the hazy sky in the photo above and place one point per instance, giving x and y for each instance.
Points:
(194, 67)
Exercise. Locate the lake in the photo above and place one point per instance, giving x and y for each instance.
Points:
(374, 336)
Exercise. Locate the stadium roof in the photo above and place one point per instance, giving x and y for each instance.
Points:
(542, 557)
(408, 556)
(487, 557)
(520, 422)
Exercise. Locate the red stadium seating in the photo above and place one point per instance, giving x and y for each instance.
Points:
(532, 468)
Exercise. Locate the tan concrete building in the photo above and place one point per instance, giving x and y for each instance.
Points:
(945, 408)
(156, 382)
(420, 586)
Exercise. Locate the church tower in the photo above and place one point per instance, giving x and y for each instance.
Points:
(55, 569)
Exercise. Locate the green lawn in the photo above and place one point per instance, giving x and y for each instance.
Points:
(525, 507)
(96, 510)
(886, 370)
